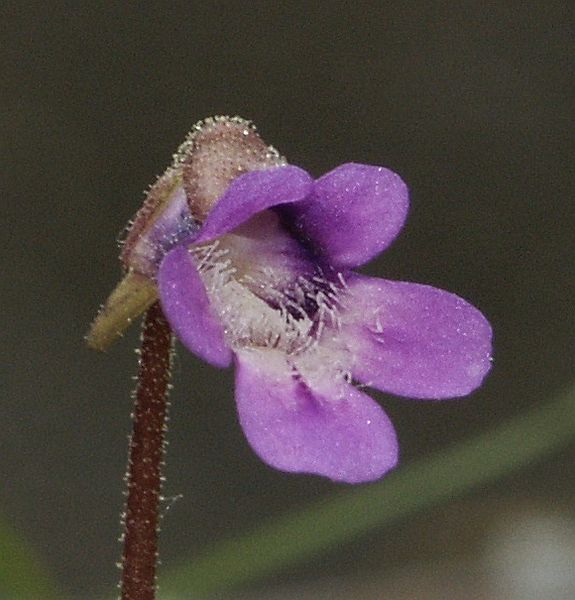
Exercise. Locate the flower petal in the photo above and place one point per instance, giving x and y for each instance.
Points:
(252, 193)
(415, 340)
(332, 430)
(187, 308)
(172, 224)
(354, 213)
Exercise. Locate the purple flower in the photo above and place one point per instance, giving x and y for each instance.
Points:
(253, 263)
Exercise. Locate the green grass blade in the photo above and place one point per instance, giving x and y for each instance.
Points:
(428, 482)
(21, 575)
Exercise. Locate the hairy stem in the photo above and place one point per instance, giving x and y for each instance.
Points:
(146, 458)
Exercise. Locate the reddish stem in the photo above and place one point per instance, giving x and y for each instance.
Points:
(146, 458)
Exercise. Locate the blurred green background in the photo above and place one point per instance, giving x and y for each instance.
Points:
(472, 103)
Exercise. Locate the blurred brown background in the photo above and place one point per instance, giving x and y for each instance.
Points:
(470, 102)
